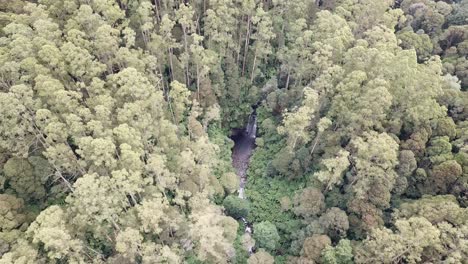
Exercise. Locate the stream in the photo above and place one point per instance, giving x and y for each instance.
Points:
(244, 144)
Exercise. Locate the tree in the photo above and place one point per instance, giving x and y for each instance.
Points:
(444, 175)
(236, 207)
(214, 231)
(179, 96)
(16, 126)
(374, 158)
(11, 212)
(266, 235)
(444, 213)
(414, 235)
(342, 253)
(333, 171)
(308, 203)
(22, 252)
(115, 120)
(459, 14)
(129, 243)
(21, 177)
(261, 257)
(96, 200)
(296, 124)
(364, 15)
(51, 230)
(220, 27)
(314, 245)
(262, 35)
(230, 182)
(407, 163)
(80, 63)
(420, 42)
(335, 222)
(184, 17)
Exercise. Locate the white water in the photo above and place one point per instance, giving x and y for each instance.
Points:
(251, 129)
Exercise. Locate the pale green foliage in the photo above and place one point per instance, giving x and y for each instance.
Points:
(80, 63)
(342, 253)
(262, 36)
(157, 168)
(295, 124)
(97, 200)
(221, 25)
(436, 209)
(179, 96)
(152, 253)
(152, 214)
(213, 231)
(374, 157)
(420, 42)
(230, 182)
(367, 112)
(15, 128)
(22, 253)
(363, 15)
(50, 229)
(129, 243)
(443, 212)
(99, 153)
(261, 257)
(332, 173)
(212, 114)
(332, 30)
(114, 116)
(407, 244)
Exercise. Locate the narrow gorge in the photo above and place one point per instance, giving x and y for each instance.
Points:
(244, 144)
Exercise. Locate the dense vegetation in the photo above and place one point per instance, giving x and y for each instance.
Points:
(115, 117)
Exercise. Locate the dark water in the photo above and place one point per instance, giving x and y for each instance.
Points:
(244, 144)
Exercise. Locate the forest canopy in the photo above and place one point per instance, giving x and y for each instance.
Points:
(116, 119)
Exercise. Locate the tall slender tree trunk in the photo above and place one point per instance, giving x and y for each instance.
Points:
(287, 78)
(163, 82)
(253, 67)
(145, 38)
(171, 64)
(156, 8)
(198, 26)
(315, 143)
(172, 111)
(198, 83)
(239, 49)
(187, 78)
(186, 50)
(246, 47)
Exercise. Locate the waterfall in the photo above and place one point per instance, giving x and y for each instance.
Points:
(251, 129)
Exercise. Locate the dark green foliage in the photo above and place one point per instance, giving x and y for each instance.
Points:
(266, 235)
(271, 198)
(236, 207)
